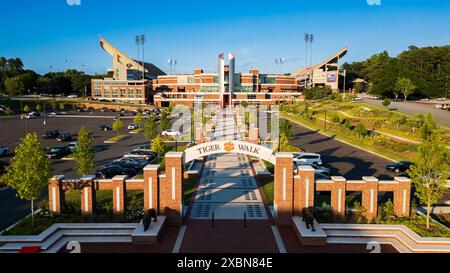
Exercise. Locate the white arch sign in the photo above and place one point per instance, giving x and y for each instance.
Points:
(229, 146)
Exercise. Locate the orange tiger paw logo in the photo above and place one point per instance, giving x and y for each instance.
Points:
(228, 147)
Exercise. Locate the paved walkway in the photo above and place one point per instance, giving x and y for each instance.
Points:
(228, 189)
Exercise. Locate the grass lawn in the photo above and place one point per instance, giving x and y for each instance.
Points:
(117, 138)
(138, 130)
(267, 186)
(189, 186)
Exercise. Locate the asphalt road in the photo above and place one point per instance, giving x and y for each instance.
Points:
(13, 209)
(411, 108)
(341, 158)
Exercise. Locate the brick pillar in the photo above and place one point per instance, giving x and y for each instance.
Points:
(171, 188)
(151, 187)
(198, 135)
(370, 197)
(119, 193)
(283, 188)
(306, 197)
(254, 135)
(402, 196)
(87, 195)
(338, 195)
(55, 194)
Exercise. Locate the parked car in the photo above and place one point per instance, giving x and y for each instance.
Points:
(441, 99)
(64, 137)
(142, 154)
(357, 99)
(140, 161)
(317, 168)
(105, 128)
(72, 146)
(309, 158)
(104, 109)
(170, 133)
(31, 115)
(55, 113)
(58, 152)
(399, 167)
(127, 165)
(111, 171)
(146, 112)
(133, 126)
(4, 150)
(3, 165)
(72, 96)
(146, 148)
(51, 134)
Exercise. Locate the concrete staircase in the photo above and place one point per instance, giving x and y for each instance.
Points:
(399, 236)
(57, 236)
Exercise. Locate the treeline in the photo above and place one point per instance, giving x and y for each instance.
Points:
(15, 80)
(416, 72)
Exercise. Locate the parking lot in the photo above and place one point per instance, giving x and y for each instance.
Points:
(14, 129)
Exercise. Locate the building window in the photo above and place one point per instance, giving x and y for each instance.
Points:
(123, 92)
(138, 93)
(114, 94)
(107, 93)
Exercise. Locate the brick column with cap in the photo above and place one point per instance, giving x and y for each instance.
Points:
(87, 195)
(171, 188)
(151, 187)
(402, 196)
(283, 188)
(305, 198)
(55, 194)
(370, 197)
(338, 195)
(119, 194)
(253, 135)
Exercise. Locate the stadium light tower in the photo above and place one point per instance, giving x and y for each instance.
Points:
(137, 41)
(280, 61)
(143, 58)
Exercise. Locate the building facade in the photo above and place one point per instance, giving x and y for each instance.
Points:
(131, 81)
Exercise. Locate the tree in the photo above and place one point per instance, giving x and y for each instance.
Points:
(158, 146)
(427, 127)
(165, 122)
(361, 130)
(117, 125)
(150, 127)
(244, 104)
(404, 86)
(386, 102)
(286, 128)
(138, 119)
(14, 86)
(285, 146)
(347, 124)
(62, 106)
(38, 108)
(26, 108)
(429, 172)
(29, 171)
(84, 153)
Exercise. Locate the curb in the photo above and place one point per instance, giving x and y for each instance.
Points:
(343, 141)
(16, 223)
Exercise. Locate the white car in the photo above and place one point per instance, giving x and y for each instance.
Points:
(441, 99)
(170, 133)
(72, 96)
(30, 115)
(308, 158)
(133, 126)
(4, 150)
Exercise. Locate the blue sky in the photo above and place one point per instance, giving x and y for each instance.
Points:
(44, 33)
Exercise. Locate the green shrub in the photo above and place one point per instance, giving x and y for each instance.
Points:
(335, 118)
